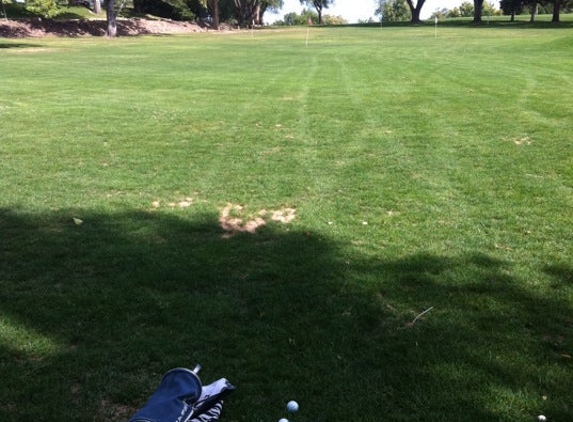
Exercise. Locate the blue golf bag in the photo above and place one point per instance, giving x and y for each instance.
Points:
(181, 397)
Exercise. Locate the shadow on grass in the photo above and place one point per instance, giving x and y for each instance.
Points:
(18, 45)
(92, 315)
(24, 28)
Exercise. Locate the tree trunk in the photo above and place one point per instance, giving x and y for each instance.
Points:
(415, 17)
(415, 11)
(533, 12)
(257, 15)
(111, 18)
(97, 7)
(478, 7)
(245, 13)
(556, 9)
(239, 12)
(215, 12)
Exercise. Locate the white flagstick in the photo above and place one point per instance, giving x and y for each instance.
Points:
(436, 27)
(308, 30)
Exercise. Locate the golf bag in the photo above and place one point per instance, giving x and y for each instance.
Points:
(181, 397)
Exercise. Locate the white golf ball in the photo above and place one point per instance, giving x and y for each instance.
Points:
(292, 406)
(541, 418)
(283, 420)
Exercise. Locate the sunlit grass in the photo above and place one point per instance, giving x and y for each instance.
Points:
(19, 338)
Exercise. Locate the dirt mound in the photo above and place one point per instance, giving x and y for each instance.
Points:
(81, 28)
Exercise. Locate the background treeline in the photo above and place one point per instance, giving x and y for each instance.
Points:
(250, 13)
(400, 11)
(244, 13)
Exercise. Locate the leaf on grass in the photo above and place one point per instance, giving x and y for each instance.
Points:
(503, 247)
(522, 141)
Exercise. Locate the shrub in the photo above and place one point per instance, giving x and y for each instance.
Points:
(44, 8)
(170, 9)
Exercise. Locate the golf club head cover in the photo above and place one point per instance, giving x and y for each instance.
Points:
(210, 415)
(173, 400)
(212, 397)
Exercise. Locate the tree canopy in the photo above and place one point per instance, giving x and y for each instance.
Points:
(318, 5)
(392, 10)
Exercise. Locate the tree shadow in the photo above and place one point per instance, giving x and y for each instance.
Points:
(18, 45)
(93, 312)
(69, 28)
(84, 27)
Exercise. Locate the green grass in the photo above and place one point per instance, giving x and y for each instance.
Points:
(425, 172)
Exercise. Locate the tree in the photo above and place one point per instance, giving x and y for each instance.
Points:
(478, 7)
(294, 19)
(215, 13)
(533, 8)
(251, 12)
(246, 11)
(558, 5)
(111, 18)
(269, 5)
(490, 10)
(415, 10)
(466, 9)
(334, 20)
(393, 10)
(45, 8)
(203, 7)
(443, 13)
(454, 13)
(112, 11)
(512, 7)
(318, 6)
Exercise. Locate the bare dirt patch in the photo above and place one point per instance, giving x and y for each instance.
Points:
(235, 219)
(30, 28)
(284, 215)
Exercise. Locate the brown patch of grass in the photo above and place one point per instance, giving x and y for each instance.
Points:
(522, 141)
(232, 222)
(234, 219)
(284, 215)
(179, 203)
